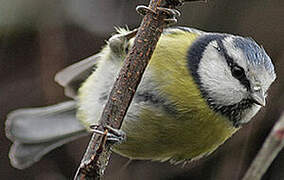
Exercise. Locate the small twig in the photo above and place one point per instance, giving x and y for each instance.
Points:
(271, 147)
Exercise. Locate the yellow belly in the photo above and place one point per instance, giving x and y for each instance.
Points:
(187, 136)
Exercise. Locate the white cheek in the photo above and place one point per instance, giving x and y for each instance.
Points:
(217, 80)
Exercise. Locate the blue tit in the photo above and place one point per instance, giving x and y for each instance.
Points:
(197, 91)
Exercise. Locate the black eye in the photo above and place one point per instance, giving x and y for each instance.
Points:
(238, 72)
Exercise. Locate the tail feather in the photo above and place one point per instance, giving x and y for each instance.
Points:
(24, 155)
(43, 124)
(36, 131)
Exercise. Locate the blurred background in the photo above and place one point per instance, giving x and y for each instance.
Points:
(38, 38)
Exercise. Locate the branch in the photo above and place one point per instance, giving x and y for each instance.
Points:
(97, 155)
(271, 147)
(98, 152)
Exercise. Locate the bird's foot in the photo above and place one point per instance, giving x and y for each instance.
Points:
(171, 13)
(114, 136)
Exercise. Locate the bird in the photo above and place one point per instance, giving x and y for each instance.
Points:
(198, 90)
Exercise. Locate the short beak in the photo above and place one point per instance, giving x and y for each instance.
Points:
(258, 97)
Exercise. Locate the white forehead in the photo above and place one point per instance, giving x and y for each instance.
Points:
(235, 53)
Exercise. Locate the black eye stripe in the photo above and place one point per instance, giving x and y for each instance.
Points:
(232, 64)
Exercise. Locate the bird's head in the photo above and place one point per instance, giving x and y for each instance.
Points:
(233, 74)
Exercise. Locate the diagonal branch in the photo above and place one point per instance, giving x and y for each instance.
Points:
(271, 147)
(96, 157)
(98, 152)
